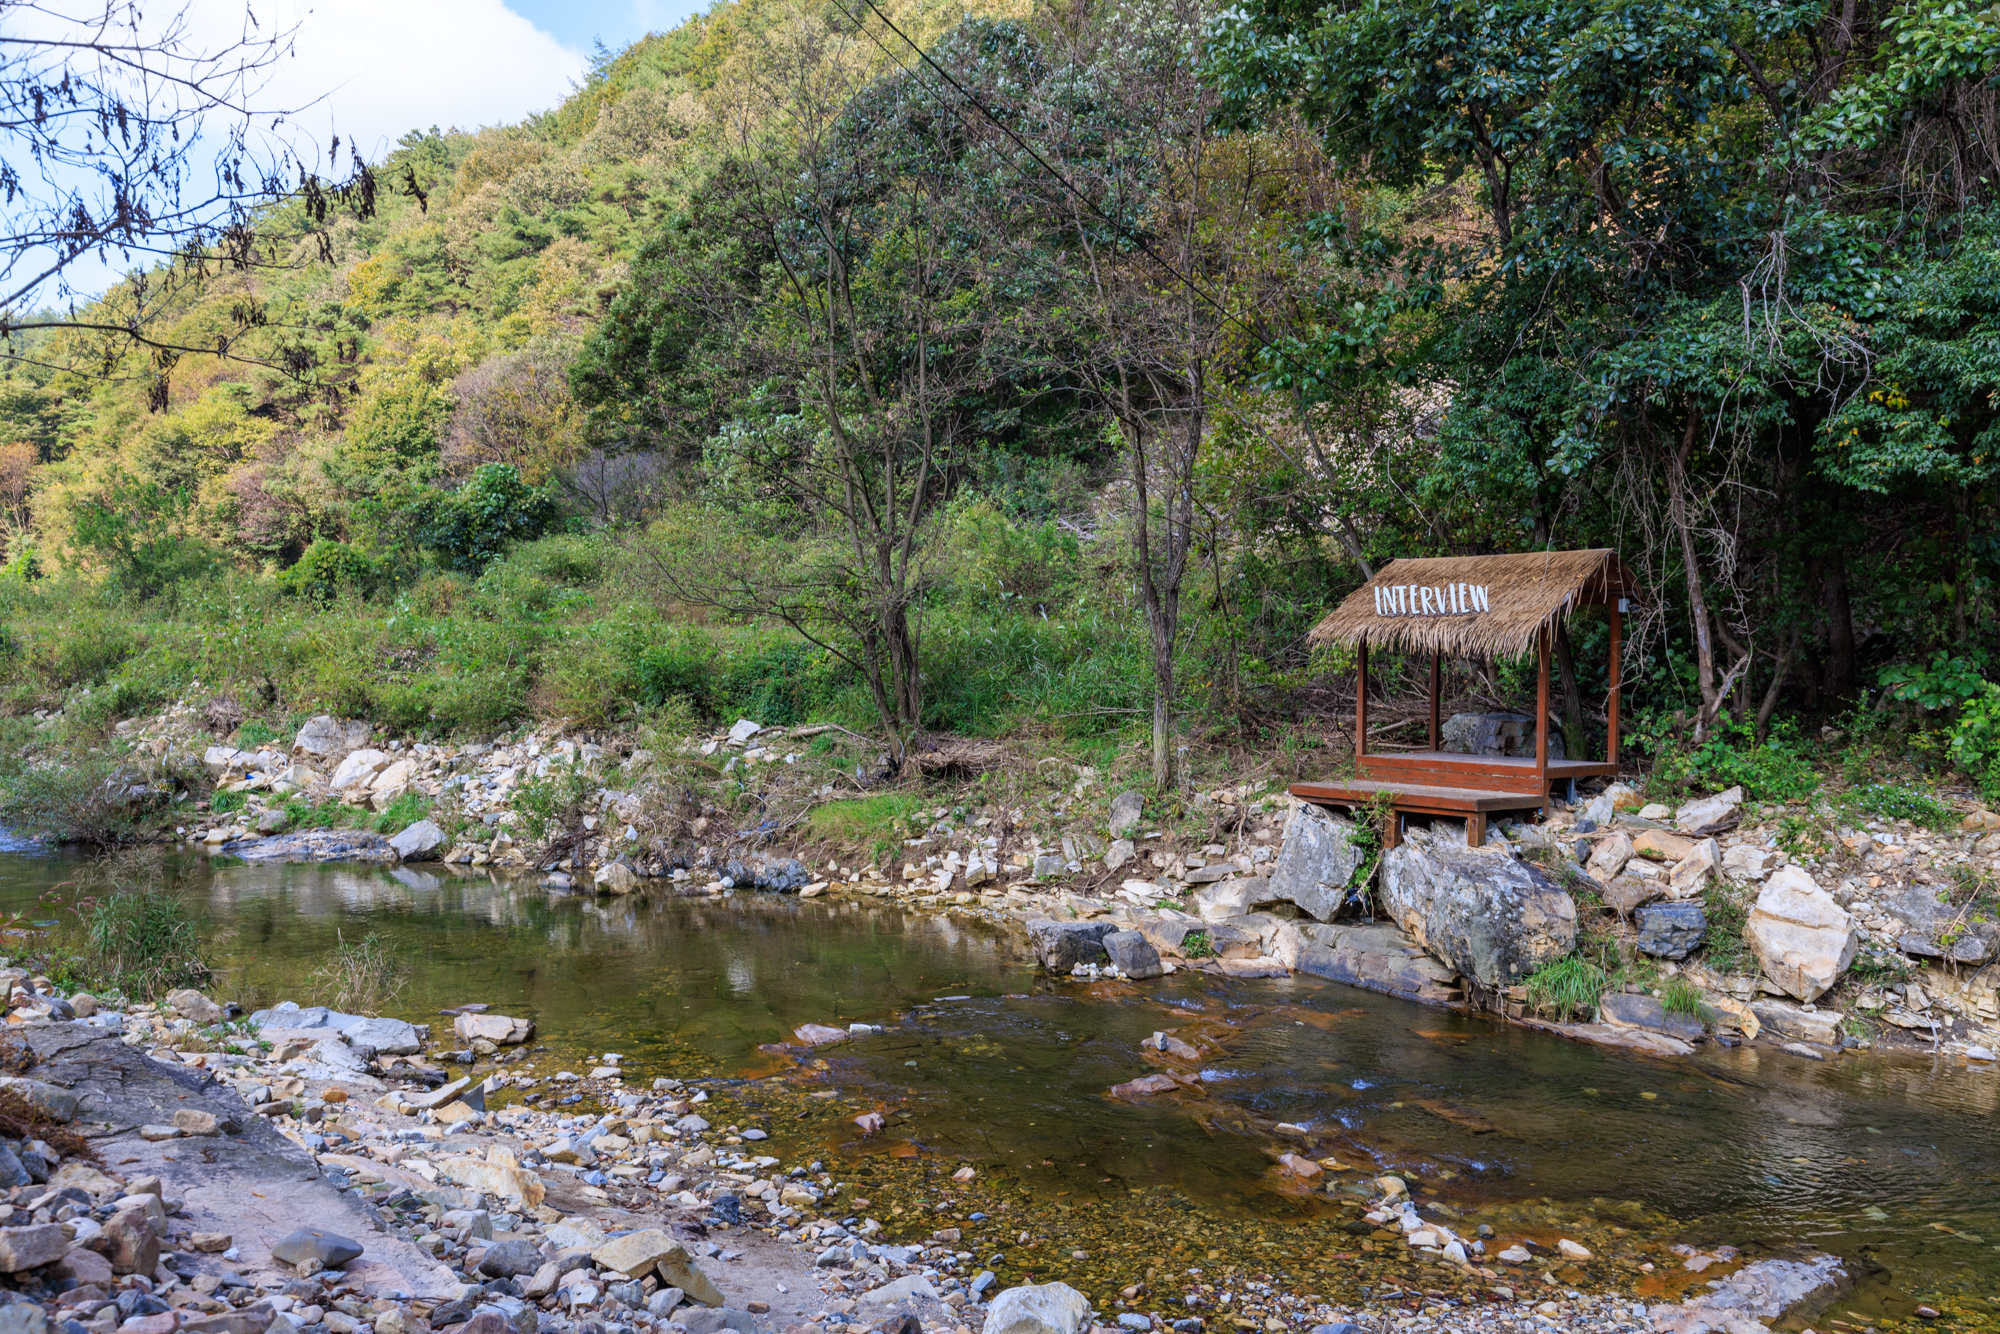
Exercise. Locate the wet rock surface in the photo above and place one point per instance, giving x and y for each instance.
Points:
(314, 845)
(1492, 916)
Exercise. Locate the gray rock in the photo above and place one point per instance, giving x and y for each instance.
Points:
(1316, 862)
(709, 1319)
(310, 1243)
(1792, 1021)
(12, 1173)
(1121, 851)
(1126, 808)
(1972, 942)
(982, 1284)
(420, 842)
(662, 1303)
(1624, 1009)
(907, 1288)
(1671, 930)
(1044, 1308)
(510, 1259)
(1976, 945)
(1339, 1327)
(1048, 864)
(31, 1247)
(1374, 958)
(1491, 916)
(1495, 734)
(1061, 946)
(23, 1317)
(1231, 898)
(1133, 953)
(58, 1104)
(314, 845)
(387, 1037)
(274, 821)
(521, 1318)
(1627, 893)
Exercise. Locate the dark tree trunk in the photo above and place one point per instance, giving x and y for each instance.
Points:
(1842, 677)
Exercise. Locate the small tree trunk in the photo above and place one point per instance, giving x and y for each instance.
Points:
(1842, 680)
(1682, 517)
(1574, 744)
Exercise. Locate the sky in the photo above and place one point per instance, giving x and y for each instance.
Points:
(369, 71)
(374, 69)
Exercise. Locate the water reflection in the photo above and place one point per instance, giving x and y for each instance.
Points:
(1744, 1145)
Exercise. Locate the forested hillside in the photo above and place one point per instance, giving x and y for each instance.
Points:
(1049, 369)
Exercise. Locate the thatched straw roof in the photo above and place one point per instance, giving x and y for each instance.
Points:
(1473, 606)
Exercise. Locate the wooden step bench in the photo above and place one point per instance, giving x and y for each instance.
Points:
(1470, 804)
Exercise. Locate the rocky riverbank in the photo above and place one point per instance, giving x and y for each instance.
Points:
(301, 1171)
(1758, 925)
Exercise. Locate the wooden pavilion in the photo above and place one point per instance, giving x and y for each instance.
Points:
(1471, 606)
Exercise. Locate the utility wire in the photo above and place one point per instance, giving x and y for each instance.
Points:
(1026, 147)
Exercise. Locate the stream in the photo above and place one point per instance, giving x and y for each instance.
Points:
(1895, 1160)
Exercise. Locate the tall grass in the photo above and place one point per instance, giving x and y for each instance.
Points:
(1569, 987)
(131, 932)
(360, 978)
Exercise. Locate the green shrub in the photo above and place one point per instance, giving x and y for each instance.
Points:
(1975, 740)
(254, 734)
(92, 799)
(84, 647)
(1780, 769)
(875, 822)
(329, 569)
(1681, 996)
(1568, 987)
(1726, 948)
(223, 803)
(327, 813)
(1197, 945)
(401, 813)
(1945, 684)
(549, 807)
(1894, 801)
(140, 531)
(470, 527)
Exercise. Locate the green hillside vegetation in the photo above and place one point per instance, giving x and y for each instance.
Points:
(1054, 383)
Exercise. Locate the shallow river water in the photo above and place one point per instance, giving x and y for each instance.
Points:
(1891, 1161)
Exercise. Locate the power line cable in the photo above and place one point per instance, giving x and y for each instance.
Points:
(1026, 147)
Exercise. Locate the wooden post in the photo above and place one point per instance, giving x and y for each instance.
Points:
(1542, 712)
(1435, 739)
(1611, 742)
(1360, 703)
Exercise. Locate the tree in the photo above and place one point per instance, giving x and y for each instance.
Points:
(128, 140)
(1672, 272)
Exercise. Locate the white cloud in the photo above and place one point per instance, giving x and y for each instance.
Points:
(375, 69)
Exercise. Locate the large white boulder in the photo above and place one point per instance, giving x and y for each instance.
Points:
(359, 767)
(1709, 815)
(1041, 1308)
(1802, 938)
(325, 741)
